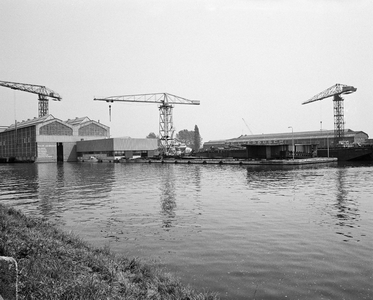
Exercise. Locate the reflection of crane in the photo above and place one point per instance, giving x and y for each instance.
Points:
(43, 93)
(246, 125)
(166, 101)
(335, 91)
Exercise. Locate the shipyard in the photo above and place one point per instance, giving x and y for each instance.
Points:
(49, 139)
(199, 149)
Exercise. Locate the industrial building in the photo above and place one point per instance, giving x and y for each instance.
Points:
(280, 145)
(321, 138)
(47, 139)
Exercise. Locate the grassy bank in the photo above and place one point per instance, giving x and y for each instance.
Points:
(56, 265)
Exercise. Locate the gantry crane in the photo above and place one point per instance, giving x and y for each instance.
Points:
(166, 102)
(336, 91)
(44, 94)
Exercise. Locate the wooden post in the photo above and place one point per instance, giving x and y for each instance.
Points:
(8, 278)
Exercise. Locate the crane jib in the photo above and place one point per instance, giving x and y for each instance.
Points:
(336, 89)
(32, 88)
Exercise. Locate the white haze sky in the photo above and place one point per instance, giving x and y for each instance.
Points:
(255, 60)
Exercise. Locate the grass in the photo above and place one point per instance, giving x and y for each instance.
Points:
(53, 264)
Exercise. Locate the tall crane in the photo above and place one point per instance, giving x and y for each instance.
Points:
(43, 92)
(166, 102)
(335, 91)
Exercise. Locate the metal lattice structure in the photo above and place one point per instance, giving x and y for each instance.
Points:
(43, 92)
(336, 91)
(166, 101)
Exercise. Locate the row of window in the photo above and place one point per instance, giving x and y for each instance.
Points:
(110, 153)
(54, 128)
(21, 140)
(92, 130)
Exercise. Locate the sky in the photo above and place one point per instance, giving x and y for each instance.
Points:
(252, 62)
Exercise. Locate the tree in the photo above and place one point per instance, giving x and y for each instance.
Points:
(151, 136)
(196, 139)
(191, 138)
(186, 137)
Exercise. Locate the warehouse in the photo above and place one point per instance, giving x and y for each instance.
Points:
(280, 145)
(47, 139)
(322, 139)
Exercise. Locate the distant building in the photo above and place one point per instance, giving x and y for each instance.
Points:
(280, 145)
(322, 139)
(48, 139)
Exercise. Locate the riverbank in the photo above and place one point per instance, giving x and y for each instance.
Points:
(53, 264)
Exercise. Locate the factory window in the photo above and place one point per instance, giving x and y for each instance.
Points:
(55, 128)
(119, 153)
(92, 130)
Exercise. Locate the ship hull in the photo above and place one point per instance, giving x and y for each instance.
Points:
(348, 154)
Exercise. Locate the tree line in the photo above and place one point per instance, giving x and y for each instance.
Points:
(191, 138)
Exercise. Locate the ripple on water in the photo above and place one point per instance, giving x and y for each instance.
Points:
(257, 233)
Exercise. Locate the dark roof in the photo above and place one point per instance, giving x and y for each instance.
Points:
(283, 136)
(32, 122)
(295, 135)
(36, 121)
(77, 120)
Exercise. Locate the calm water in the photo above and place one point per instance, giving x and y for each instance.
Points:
(245, 232)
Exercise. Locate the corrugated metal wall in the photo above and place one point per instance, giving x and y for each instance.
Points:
(18, 143)
(135, 144)
(95, 145)
(117, 144)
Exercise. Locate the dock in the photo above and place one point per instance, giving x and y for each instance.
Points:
(287, 162)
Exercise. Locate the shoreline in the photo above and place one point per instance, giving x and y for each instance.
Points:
(54, 264)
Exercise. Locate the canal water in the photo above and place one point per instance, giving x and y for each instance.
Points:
(245, 232)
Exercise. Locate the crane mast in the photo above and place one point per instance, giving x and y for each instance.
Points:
(166, 102)
(43, 93)
(335, 91)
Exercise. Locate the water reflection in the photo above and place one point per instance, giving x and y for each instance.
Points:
(339, 205)
(168, 203)
(48, 191)
(51, 189)
(197, 188)
(18, 182)
(270, 180)
(197, 220)
(197, 178)
(345, 208)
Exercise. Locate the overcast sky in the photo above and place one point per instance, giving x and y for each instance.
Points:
(254, 60)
